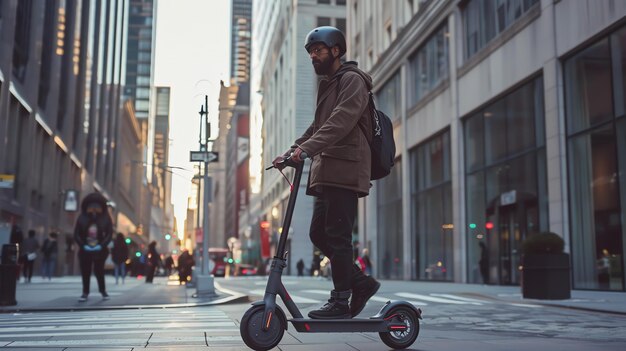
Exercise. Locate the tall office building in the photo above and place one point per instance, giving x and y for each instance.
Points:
(61, 65)
(140, 55)
(240, 40)
(282, 102)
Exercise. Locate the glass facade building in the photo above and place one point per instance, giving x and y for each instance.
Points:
(595, 81)
(508, 123)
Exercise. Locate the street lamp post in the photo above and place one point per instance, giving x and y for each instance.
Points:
(204, 283)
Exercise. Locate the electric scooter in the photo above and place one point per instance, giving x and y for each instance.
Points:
(263, 325)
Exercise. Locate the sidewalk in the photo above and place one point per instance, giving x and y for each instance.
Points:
(590, 300)
(62, 293)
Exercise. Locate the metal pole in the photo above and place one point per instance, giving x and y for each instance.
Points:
(207, 195)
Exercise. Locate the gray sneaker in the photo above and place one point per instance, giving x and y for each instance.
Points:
(105, 296)
(82, 298)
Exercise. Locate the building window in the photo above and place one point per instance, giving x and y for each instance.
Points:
(429, 65)
(485, 19)
(596, 150)
(341, 24)
(431, 203)
(506, 191)
(389, 211)
(323, 1)
(388, 98)
(21, 44)
(323, 21)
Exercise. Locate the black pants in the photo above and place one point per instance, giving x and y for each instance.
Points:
(151, 269)
(334, 213)
(87, 260)
(28, 269)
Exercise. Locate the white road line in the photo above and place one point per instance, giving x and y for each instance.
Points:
(525, 305)
(384, 300)
(434, 299)
(295, 298)
(460, 298)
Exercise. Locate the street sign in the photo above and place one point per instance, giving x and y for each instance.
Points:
(202, 156)
(6, 181)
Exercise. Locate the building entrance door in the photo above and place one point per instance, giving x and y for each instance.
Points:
(510, 241)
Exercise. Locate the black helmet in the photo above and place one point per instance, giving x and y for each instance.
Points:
(329, 36)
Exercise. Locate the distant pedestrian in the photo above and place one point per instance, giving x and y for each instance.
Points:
(185, 262)
(119, 255)
(300, 267)
(50, 252)
(93, 232)
(169, 265)
(17, 237)
(28, 253)
(154, 261)
(483, 263)
(365, 257)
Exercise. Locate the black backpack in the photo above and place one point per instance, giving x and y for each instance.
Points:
(382, 146)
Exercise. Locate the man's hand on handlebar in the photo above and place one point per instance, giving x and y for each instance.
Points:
(279, 162)
(296, 155)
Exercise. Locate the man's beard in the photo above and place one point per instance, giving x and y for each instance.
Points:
(323, 67)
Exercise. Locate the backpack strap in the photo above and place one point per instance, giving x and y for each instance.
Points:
(372, 107)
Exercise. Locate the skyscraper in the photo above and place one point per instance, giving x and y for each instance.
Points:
(241, 27)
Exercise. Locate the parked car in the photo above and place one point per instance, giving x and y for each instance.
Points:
(246, 269)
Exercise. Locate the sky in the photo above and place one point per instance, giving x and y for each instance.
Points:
(192, 56)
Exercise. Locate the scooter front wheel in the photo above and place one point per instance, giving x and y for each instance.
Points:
(405, 338)
(252, 333)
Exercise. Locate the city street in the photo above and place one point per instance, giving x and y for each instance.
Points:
(456, 316)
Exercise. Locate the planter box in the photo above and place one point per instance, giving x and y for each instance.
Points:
(546, 276)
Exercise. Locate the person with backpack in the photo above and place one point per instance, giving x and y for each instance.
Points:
(93, 233)
(338, 141)
(50, 251)
(119, 255)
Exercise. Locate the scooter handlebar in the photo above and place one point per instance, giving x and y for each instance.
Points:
(286, 160)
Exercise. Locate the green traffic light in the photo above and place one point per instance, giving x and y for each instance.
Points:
(230, 260)
(127, 240)
(168, 237)
(472, 225)
(138, 254)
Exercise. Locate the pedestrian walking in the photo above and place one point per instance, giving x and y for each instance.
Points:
(169, 265)
(185, 262)
(483, 263)
(300, 267)
(119, 256)
(341, 167)
(93, 233)
(50, 252)
(367, 263)
(154, 261)
(28, 252)
(17, 237)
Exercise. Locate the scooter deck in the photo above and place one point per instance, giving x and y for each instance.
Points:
(353, 325)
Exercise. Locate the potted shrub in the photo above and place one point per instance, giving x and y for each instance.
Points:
(545, 268)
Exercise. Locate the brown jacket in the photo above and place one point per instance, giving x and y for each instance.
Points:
(338, 145)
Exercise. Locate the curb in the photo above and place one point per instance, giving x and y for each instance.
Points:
(546, 304)
(234, 297)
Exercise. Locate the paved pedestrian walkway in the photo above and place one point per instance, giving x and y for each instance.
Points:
(62, 293)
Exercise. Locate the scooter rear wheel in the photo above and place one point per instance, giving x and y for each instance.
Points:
(405, 338)
(252, 333)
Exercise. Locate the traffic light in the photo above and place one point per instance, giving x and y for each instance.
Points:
(127, 241)
(168, 237)
(472, 225)
(138, 254)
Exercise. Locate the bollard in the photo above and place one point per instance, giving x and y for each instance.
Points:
(8, 267)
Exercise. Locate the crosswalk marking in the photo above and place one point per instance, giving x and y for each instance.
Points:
(449, 296)
(134, 327)
(435, 299)
(295, 298)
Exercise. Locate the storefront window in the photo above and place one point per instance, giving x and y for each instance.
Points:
(506, 190)
(588, 91)
(390, 233)
(431, 195)
(594, 99)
